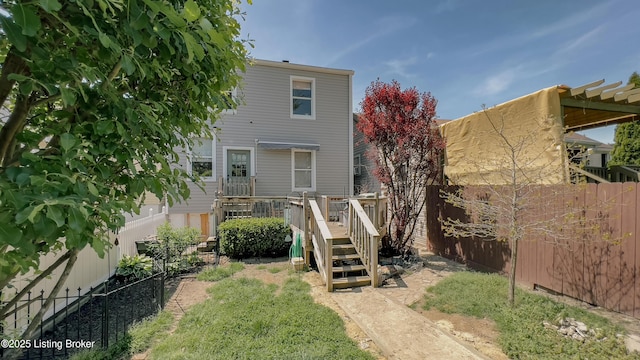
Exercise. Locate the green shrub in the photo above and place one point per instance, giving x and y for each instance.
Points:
(243, 238)
(135, 267)
(177, 240)
(172, 244)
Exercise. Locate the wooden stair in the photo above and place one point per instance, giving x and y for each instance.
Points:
(347, 269)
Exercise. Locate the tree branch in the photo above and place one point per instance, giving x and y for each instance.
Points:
(114, 72)
(13, 126)
(63, 277)
(34, 282)
(13, 64)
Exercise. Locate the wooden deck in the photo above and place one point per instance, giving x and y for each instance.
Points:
(338, 231)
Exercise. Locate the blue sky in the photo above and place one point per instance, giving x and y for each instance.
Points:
(465, 52)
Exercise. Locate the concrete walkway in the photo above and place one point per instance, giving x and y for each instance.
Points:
(400, 332)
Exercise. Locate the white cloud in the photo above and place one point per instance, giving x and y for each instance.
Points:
(496, 83)
(386, 25)
(580, 41)
(545, 30)
(572, 21)
(400, 66)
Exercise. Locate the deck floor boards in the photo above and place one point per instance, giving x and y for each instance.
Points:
(337, 230)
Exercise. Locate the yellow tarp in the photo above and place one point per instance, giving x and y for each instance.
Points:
(532, 127)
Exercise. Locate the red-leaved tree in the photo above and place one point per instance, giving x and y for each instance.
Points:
(406, 147)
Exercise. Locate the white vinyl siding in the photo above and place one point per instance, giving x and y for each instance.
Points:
(303, 94)
(303, 170)
(264, 113)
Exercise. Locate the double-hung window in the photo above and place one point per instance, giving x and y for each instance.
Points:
(357, 165)
(202, 159)
(303, 98)
(303, 163)
(229, 101)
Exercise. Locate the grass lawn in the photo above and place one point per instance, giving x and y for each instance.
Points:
(138, 338)
(247, 319)
(522, 333)
(220, 272)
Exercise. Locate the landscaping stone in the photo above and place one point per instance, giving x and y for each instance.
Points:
(573, 329)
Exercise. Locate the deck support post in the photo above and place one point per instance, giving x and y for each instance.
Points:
(307, 230)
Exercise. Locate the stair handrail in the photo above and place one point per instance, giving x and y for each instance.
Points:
(587, 174)
(322, 243)
(365, 237)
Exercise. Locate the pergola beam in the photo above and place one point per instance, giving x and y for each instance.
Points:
(581, 89)
(604, 106)
(611, 93)
(597, 91)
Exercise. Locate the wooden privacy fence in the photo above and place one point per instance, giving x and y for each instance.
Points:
(596, 260)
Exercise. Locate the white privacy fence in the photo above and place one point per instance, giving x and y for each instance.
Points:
(137, 230)
(88, 272)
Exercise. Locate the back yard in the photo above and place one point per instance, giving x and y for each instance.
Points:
(264, 310)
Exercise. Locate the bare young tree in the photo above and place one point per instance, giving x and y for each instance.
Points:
(512, 190)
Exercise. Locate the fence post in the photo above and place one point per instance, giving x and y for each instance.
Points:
(376, 215)
(105, 316)
(325, 200)
(307, 235)
(373, 261)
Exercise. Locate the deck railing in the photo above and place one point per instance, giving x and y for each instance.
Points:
(333, 207)
(365, 237)
(625, 173)
(601, 172)
(322, 243)
(238, 207)
(376, 209)
(237, 186)
(617, 173)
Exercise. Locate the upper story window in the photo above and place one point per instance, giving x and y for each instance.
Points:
(303, 98)
(229, 101)
(202, 159)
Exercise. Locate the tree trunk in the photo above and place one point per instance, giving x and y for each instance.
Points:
(13, 64)
(7, 306)
(35, 322)
(512, 272)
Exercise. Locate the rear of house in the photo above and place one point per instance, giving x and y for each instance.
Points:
(291, 133)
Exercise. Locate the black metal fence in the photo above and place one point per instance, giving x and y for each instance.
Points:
(95, 319)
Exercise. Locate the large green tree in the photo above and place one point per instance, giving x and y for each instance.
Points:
(626, 148)
(97, 96)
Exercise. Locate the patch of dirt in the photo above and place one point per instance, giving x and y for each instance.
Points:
(479, 333)
(482, 334)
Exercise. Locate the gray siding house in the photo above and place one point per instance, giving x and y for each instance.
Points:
(364, 178)
(291, 133)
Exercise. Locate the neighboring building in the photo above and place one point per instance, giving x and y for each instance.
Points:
(291, 133)
(364, 180)
(586, 151)
(537, 124)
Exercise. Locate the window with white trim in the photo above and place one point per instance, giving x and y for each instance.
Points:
(303, 164)
(357, 164)
(303, 98)
(229, 101)
(201, 159)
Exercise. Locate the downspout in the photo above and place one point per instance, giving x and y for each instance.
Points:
(350, 118)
